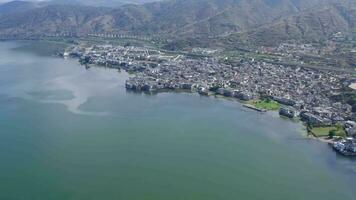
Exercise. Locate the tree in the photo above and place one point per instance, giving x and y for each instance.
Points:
(332, 134)
(339, 127)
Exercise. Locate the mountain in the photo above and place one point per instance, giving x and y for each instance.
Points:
(20, 6)
(253, 20)
(53, 19)
(99, 3)
(17, 6)
(313, 25)
(216, 17)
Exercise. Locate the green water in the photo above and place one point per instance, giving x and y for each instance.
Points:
(76, 134)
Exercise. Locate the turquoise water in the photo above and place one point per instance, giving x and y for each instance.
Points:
(71, 133)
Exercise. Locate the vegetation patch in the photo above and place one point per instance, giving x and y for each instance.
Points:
(266, 104)
(329, 131)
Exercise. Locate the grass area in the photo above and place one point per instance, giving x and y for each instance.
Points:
(265, 104)
(324, 131)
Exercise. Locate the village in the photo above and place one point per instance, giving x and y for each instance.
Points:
(301, 92)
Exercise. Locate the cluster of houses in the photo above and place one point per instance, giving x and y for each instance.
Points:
(304, 93)
(346, 146)
(128, 58)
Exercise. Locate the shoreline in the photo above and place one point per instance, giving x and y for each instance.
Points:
(321, 139)
(309, 134)
(243, 103)
(193, 90)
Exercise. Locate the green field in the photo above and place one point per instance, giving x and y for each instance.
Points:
(265, 104)
(324, 131)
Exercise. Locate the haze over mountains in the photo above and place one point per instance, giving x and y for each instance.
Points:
(17, 6)
(100, 3)
(23, 5)
(255, 20)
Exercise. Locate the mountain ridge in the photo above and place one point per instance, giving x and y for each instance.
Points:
(270, 20)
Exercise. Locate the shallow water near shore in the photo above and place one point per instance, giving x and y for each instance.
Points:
(67, 132)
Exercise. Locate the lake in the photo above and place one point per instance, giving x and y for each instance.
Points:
(67, 132)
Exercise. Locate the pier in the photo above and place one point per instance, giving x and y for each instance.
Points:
(254, 108)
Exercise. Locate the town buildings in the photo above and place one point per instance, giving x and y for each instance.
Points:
(303, 92)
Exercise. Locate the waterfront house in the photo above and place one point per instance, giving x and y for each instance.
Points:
(312, 119)
(350, 127)
(285, 101)
(289, 112)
